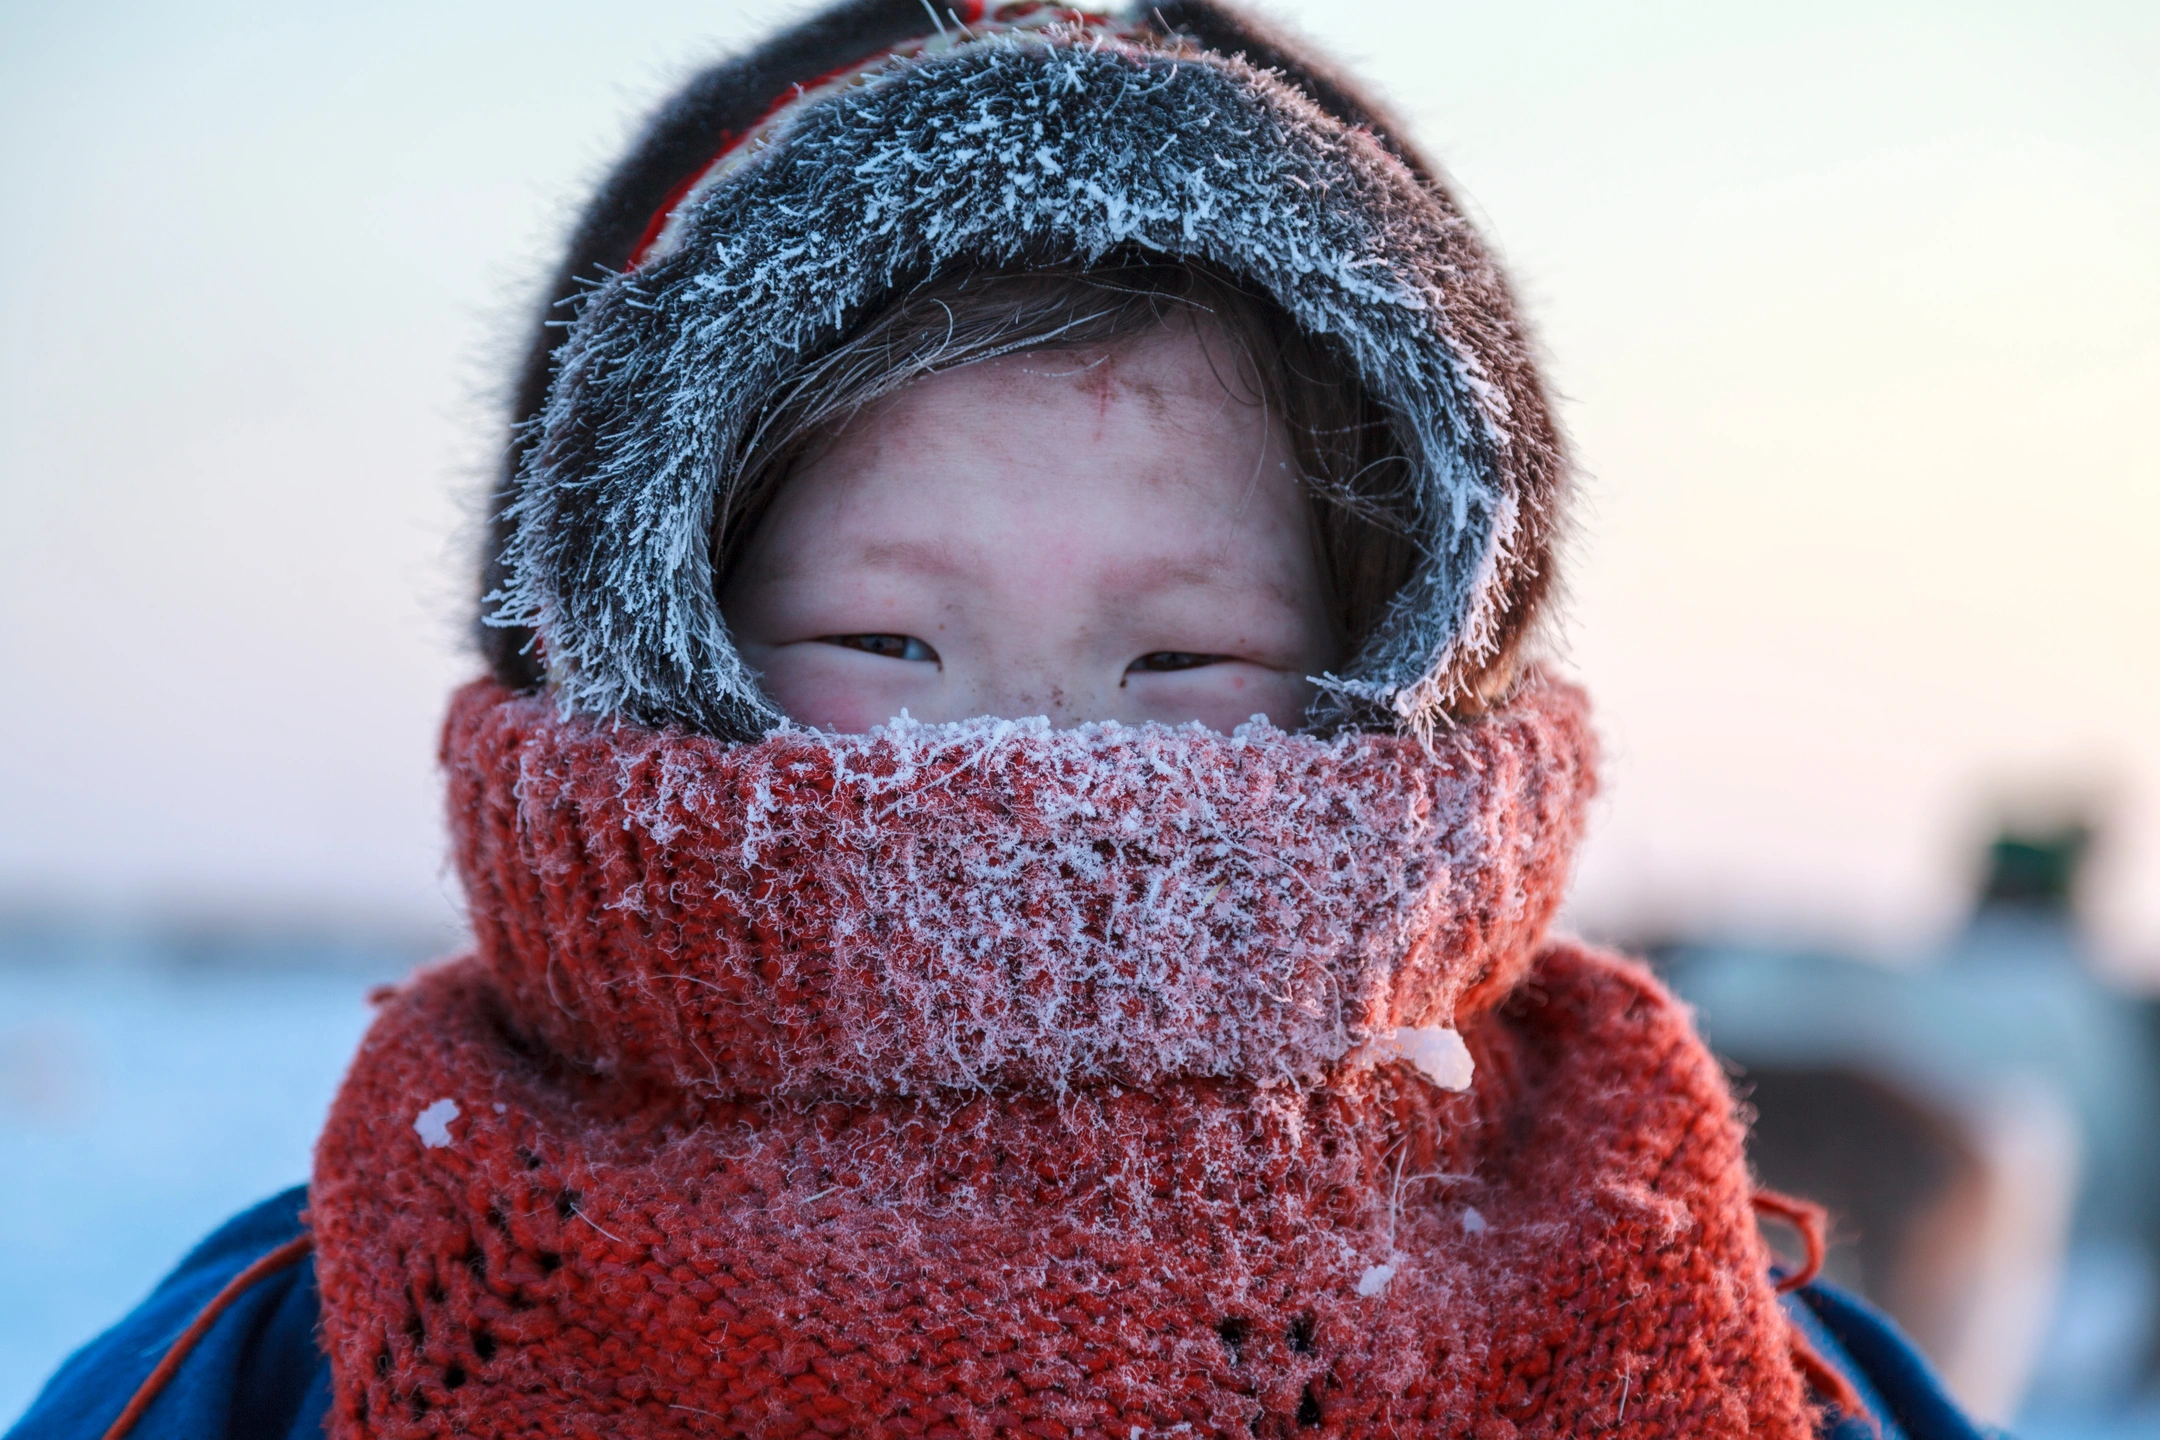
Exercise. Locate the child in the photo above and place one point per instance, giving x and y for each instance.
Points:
(1179, 1054)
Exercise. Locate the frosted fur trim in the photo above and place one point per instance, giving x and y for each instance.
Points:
(1002, 152)
(996, 903)
(1014, 29)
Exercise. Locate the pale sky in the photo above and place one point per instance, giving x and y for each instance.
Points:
(1855, 310)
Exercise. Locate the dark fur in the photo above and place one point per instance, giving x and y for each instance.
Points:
(679, 140)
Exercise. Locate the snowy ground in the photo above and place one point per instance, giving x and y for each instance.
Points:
(142, 1101)
(141, 1104)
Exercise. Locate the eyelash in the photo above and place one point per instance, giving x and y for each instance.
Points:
(892, 647)
(1162, 661)
(907, 647)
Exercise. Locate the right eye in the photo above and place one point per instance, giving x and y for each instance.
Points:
(1166, 660)
(892, 647)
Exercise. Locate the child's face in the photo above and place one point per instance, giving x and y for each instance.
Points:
(1083, 536)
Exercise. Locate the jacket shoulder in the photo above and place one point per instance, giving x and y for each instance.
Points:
(1905, 1397)
(258, 1373)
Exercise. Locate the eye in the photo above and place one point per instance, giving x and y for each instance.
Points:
(892, 647)
(1160, 660)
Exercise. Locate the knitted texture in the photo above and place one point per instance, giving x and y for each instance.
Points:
(984, 1080)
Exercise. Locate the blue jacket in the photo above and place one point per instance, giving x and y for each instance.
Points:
(259, 1375)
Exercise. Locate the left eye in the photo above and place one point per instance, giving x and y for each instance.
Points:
(1160, 660)
(894, 647)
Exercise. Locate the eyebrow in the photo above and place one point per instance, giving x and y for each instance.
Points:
(933, 557)
(1169, 572)
(1146, 576)
(928, 557)
(941, 557)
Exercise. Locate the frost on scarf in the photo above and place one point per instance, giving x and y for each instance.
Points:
(1004, 152)
(996, 903)
(985, 1080)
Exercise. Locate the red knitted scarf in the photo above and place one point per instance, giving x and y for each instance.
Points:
(981, 1079)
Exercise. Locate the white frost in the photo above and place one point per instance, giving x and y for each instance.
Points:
(1375, 1279)
(1473, 1222)
(1440, 1053)
(432, 1125)
(942, 157)
(1437, 1051)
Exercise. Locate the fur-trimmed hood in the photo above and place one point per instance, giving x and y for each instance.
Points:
(1008, 143)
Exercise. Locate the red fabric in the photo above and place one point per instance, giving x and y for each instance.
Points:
(984, 1080)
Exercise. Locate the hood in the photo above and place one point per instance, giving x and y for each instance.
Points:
(1018, 138)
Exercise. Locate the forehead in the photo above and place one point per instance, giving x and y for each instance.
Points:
(1139, 452)
(1073, 427)
(1187, 380)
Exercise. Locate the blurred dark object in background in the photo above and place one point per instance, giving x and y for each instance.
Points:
(2036, 873)
(1883, 1160)
(1983, 1126)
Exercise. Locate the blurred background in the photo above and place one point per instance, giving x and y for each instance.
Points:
(1855, 309)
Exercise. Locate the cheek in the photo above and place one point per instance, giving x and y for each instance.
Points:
(832, 689)
(1221, 697)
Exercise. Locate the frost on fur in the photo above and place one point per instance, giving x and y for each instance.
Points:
(995, 154)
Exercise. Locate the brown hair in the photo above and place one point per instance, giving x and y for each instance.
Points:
(1341, 440)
